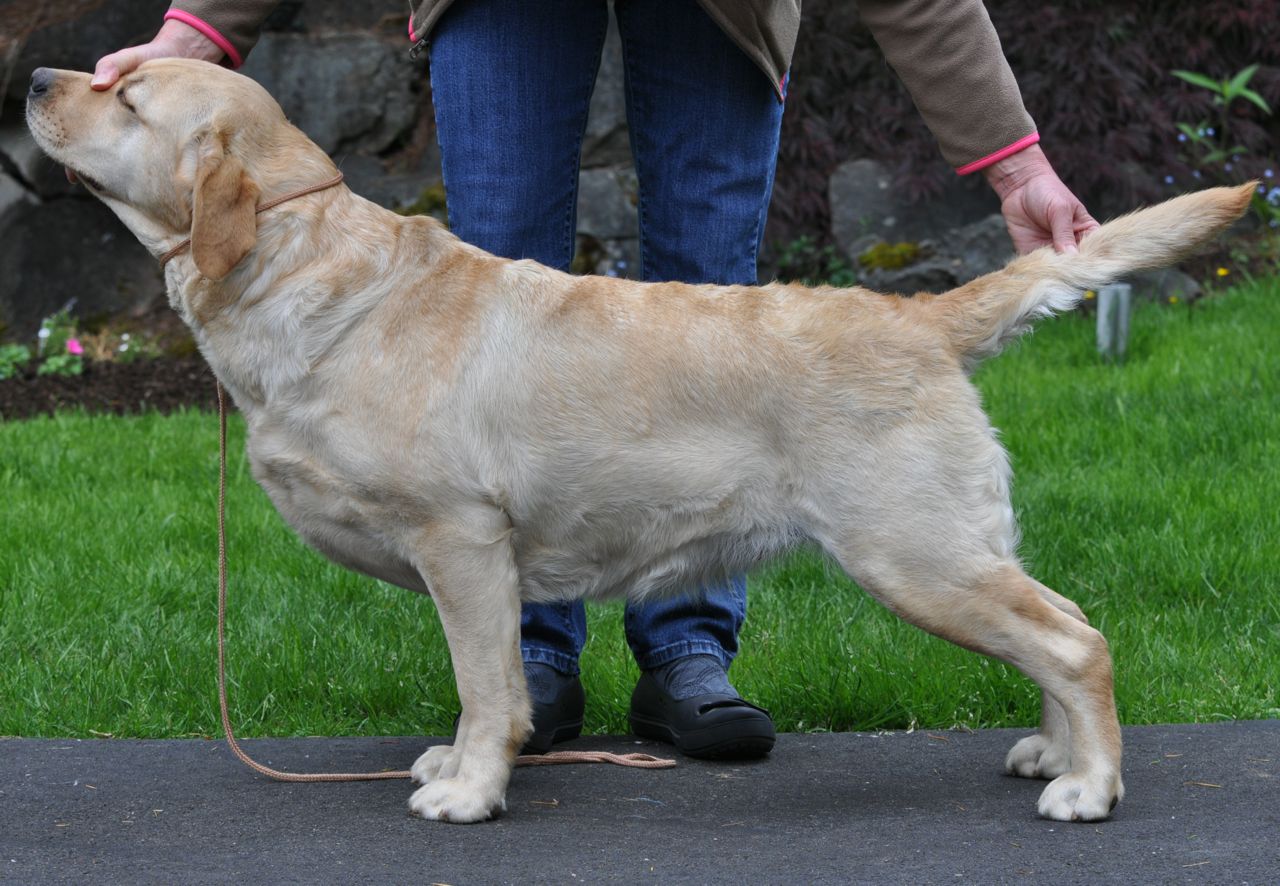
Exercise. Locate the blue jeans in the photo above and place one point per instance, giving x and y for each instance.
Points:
(511, 82)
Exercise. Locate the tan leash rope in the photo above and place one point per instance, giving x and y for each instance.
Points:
(641, 761)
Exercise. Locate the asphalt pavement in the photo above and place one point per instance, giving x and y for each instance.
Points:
(1203, 807)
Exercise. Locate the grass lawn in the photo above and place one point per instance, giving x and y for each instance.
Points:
(1147, 493)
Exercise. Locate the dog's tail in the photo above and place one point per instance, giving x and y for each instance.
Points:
(980, 317)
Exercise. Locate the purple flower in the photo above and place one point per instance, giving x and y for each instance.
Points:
(1168, 179)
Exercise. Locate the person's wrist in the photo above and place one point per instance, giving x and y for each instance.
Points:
(1008, 174)
(187, 42)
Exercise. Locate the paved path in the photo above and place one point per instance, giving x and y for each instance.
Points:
(1203, 807)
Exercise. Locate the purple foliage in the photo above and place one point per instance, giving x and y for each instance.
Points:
(1094, 75)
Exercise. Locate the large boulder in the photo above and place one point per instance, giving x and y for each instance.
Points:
(14, 198)
(348, 92)
(70, 251)
(606, 141)
(341, 71)
(71, 34)
(1165, 285)
(867, 208)
(953, 258)
(23, 159)
(607, 200)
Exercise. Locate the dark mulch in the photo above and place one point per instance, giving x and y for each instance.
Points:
(161, 385)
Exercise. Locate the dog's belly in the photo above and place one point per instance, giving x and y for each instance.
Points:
(642, 558)
(637, 528)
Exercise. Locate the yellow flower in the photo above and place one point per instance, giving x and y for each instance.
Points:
(1089, 293)
(1173, 299)
(1222, 272)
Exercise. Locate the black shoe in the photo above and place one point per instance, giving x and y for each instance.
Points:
(558, 702)
(713, 724)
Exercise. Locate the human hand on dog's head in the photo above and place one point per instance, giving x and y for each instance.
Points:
(174, 40)
(1039, 210)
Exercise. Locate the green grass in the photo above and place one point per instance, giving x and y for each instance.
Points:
(1147, 493)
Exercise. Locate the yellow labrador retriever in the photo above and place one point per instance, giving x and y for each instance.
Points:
(491, 431)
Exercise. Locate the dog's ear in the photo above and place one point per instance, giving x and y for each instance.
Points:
(224, 221)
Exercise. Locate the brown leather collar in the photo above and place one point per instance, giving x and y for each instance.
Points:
(270, 204)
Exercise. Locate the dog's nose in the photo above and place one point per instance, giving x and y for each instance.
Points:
(41, 80)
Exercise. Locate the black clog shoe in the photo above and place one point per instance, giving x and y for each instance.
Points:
(715, 726)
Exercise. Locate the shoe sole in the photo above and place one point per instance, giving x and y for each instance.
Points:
(540, 744)
(733, 740)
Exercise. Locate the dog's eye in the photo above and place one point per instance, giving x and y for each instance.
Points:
(124, 101)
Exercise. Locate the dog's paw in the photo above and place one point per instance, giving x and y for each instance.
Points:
(1075, 797)
(456, 800)
(438, 762)
(1037, 757)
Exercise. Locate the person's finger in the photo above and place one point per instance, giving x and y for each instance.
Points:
(105, 73)
(111, 68)
(1085, 223)
(1061, 225)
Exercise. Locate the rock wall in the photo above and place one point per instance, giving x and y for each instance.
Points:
(343, 73)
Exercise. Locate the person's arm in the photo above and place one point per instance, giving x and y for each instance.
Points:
(948, 55)
(211, 30)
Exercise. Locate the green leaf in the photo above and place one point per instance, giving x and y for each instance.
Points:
(1239, 81)
(1199, 80)
(1256, 99)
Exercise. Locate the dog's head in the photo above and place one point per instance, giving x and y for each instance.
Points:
(176, 149)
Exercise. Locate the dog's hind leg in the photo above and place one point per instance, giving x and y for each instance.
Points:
(998, 610)
(1047, 754)
(471, 573)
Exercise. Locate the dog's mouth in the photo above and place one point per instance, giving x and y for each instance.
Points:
(88, 181)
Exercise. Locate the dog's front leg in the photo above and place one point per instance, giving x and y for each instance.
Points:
(471, 572)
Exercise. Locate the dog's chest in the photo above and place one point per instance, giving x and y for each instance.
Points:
(329, 507)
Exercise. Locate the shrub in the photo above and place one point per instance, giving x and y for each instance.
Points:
(1095, 75)
(12, 359)
(804, 261)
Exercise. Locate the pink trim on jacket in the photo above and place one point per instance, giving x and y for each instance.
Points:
(412, 36)
(209, 31)
(1024, 142)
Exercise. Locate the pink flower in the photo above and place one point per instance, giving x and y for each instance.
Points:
(74, 347)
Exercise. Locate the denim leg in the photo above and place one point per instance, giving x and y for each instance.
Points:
(511, 81)
(704, 125)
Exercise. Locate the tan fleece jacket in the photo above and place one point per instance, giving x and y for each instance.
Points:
(946, 52)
